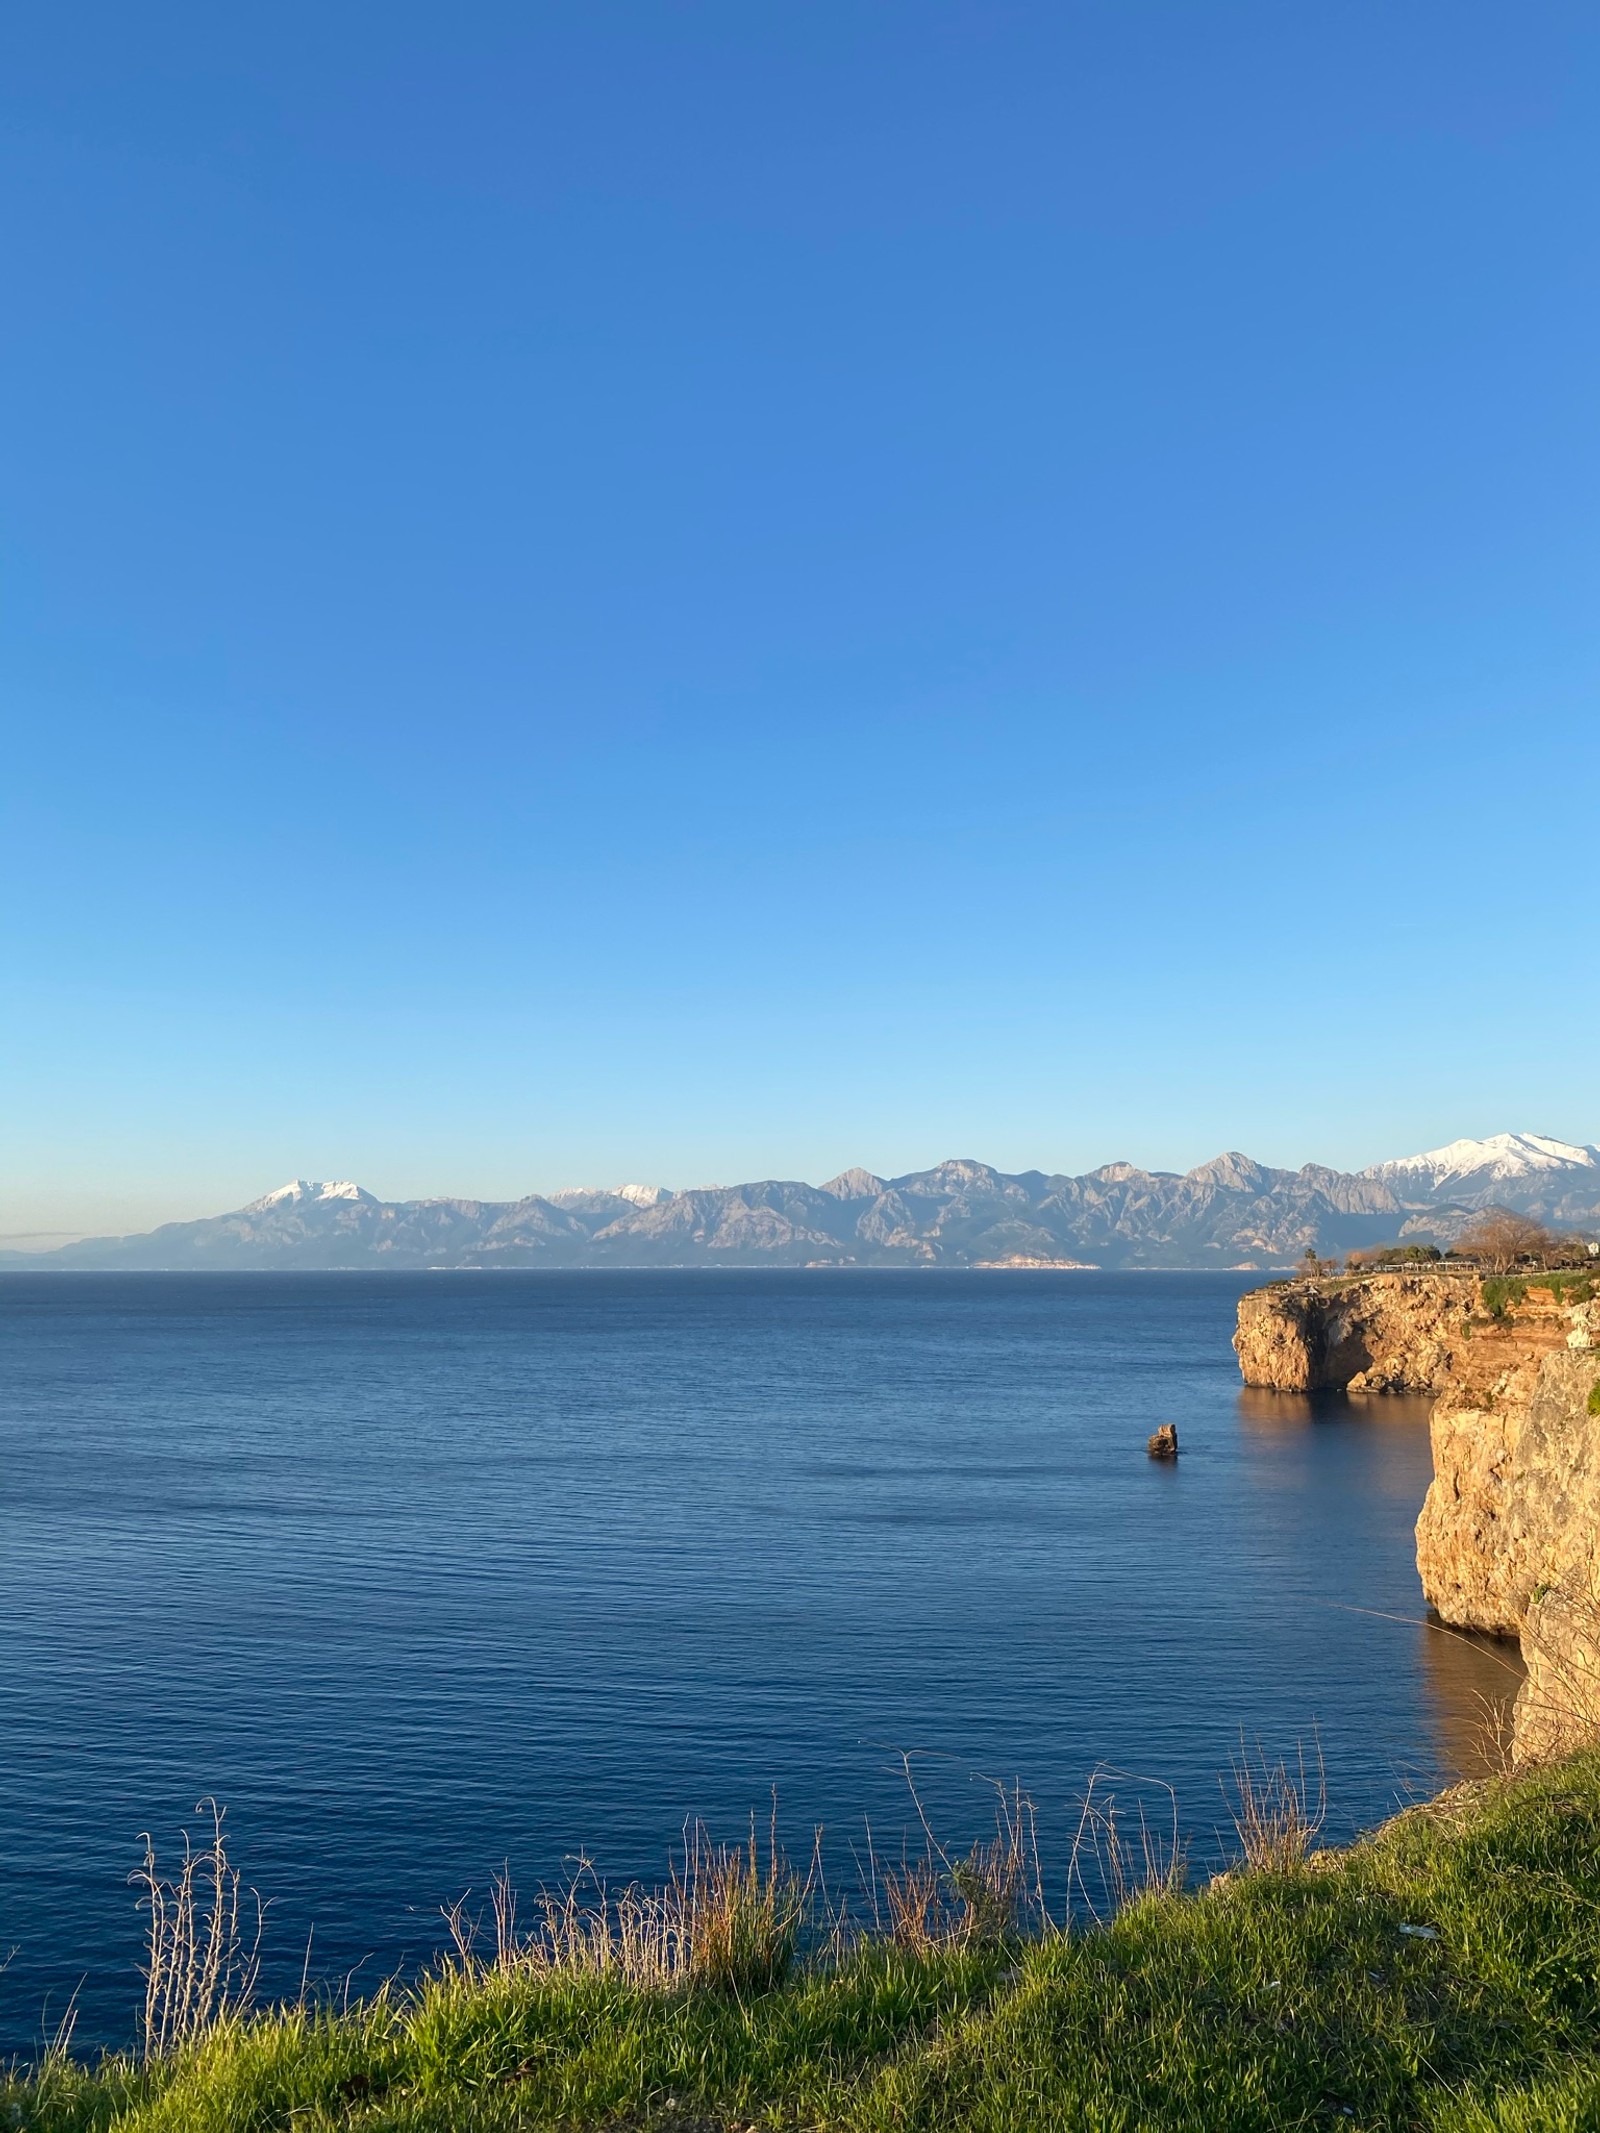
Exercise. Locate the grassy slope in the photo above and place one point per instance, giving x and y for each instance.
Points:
(1271, 2002)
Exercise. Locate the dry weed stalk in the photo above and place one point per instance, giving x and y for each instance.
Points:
(990, 1892)
(1496, 1733)
(744, 1919)
(998, 1883)
(202, 1943)
(1277, 1810)
(729, 1916)
(914, 1907)
(1127, 1857)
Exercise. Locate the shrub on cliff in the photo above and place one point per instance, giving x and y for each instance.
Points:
(1565, 1287)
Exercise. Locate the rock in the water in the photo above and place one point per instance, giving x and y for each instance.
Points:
(1164, 1443)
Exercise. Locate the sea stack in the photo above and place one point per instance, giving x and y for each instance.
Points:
(1164, 1444)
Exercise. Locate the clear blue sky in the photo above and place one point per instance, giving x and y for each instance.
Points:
(689, 592)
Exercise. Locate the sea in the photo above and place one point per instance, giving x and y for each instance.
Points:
(423, 1575)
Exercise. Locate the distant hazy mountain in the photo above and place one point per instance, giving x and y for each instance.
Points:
(1230, 1212)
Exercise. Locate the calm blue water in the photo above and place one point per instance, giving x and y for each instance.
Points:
(423, 1572)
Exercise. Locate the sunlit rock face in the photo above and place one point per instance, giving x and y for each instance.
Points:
(1357, 1333)
(1508, 1540)
(1490, 1526)
(1548, 1554)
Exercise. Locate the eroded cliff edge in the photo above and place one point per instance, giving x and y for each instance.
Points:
(1355, 1333)
(1509, 1535)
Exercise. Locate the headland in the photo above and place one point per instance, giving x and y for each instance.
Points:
(1508, 1540)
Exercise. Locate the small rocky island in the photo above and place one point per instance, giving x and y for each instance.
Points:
(1509, 1536)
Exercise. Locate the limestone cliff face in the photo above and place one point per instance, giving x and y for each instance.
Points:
(1464, 1553)
(1552, 1554)
(1509, 1536)
(1357, 1333)
(1481, 1536)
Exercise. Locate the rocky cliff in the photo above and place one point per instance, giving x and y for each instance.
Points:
(1509, 1535)
(1481, 1538)
(1355, 1333)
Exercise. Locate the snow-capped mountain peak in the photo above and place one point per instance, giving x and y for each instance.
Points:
(1498, 1157)
(301, 1190)
(587, 1195)
(1532, 1173)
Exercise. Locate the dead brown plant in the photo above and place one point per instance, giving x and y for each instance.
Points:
(1277, 1807)
(729, 1916)
(202, 1941)
(989, 1892)
(916, 1914)
(1121, 1853)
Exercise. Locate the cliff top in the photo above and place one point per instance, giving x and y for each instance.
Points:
(1413, 1329)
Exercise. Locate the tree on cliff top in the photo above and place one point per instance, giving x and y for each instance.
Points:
(1392, 1255)
(1503, 1241)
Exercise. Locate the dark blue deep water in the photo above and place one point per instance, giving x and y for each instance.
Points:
(423, 1572)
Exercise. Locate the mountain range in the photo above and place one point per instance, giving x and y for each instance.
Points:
(1230, 1212)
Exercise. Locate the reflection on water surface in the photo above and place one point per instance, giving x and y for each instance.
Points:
(1346, 1448)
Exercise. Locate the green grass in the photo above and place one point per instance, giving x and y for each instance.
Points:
(1273, 2001)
